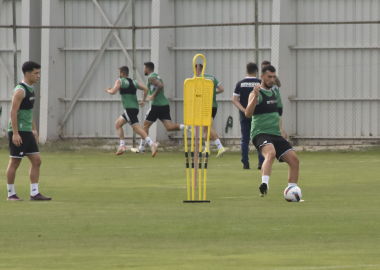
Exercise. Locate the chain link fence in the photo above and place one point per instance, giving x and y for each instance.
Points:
(326, 54)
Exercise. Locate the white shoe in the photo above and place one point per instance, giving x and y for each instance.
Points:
(154, 149)
(121, 150)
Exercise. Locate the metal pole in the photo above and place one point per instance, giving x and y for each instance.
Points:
(256, 36)
(134, 55)
(14, 43)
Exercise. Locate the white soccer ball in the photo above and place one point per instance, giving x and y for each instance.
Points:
(293, 194)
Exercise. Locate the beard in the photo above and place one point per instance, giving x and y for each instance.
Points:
(146, 73)
(268, 86)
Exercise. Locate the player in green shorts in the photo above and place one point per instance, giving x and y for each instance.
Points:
(160, 108)
(127, 89)
(23, 135)
(265, 130)
(218, 89)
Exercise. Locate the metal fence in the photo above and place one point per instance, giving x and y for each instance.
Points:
(326, 54)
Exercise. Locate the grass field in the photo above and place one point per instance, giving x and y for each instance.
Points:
(126, 212)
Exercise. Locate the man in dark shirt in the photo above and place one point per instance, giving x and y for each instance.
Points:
(240, 99)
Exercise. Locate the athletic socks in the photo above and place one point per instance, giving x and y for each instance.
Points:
(122, 143)
(149, 141)
(11, 189)
(265, 179)
(218, 144)
(292, 184)
(142, 144)
(206, 146)
(181, 126)
(33, 189)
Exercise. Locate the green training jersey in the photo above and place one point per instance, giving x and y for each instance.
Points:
(265, 118)
(127, 92)
(276, 89)
(160, 99)
(216, 84)
(25, 112)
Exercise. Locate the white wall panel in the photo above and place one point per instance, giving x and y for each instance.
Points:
(338, 65)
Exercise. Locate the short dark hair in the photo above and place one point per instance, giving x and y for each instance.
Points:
(265, 63)
(199, 65)
(251, 68)
(268, 68)
(30, 66)
(124, 70)
(149, 65)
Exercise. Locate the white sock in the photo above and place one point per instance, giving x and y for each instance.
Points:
(122, 142)
(181, 127)
(265, 179)
(142, 144)
(33, 189)
(149, 141)
(206, 146)
(292, 184)
(218, 144)
(11, 189)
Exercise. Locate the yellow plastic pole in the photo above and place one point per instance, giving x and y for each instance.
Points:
(206, 159)
(200, 164)
(192, 163)
(187, 165)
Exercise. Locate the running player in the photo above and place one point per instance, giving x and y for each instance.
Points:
(265, 130)
(23, 135)
(218, 89)
(127, 89)
(160, 108)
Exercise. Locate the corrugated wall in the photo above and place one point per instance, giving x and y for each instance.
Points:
(227, 49)
(6, 61)
(338, 62)
(97, 118)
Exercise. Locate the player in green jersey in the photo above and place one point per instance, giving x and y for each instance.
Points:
(127, 89)
(218, 89)
(265, 130)
(22, 133)
(160, 108)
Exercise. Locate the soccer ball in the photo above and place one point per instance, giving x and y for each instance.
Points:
(293, 194)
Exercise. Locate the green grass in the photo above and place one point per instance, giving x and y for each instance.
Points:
(126, 212)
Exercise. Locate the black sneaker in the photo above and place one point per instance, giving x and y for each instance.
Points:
(263, 189)
(246, 166)
(259, 166)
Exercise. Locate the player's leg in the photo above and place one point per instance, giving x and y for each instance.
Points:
(16, 154)
(34, 173)
(146, 126)
(123, 119)
(132, 114)
(14, 163)
(166, 119)
(214, 135)
(261, 160)
(269, 152)
(291, 158)
(245, 127)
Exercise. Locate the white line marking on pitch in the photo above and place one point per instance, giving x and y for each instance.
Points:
(332, 267)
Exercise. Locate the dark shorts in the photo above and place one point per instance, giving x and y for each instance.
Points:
(280, 144)
(28, 146)
(160, 112)
(130, 115)
(214, 110)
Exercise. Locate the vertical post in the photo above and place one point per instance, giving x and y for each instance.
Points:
(14, 42)
(134, 55)
(196, 153)
(256, 34)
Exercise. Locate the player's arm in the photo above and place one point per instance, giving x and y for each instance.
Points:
(145, 89)
(219, 89)
(34, 130)
(277, 82)
(18, 96)
(252, 101)
(236, 102)
(114, 90)
(283, 133)
(158, 84)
